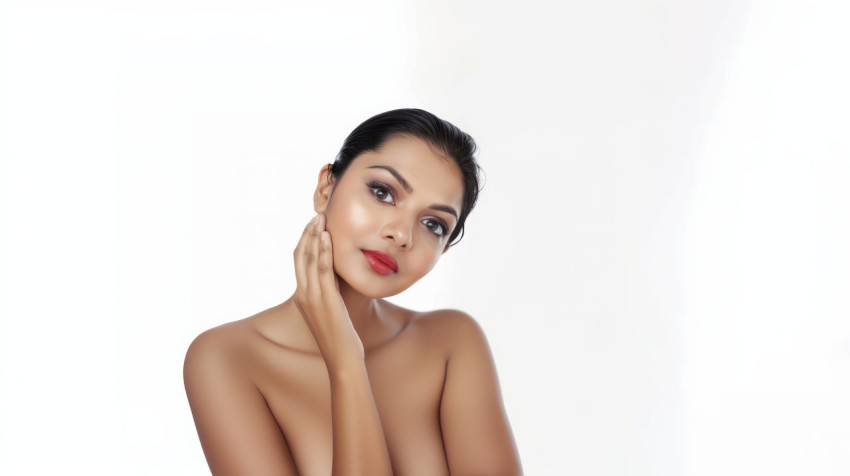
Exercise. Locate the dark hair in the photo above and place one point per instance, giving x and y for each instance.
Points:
(448, 139)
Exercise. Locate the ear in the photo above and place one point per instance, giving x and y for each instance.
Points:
(322, 195)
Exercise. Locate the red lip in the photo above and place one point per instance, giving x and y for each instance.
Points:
(381, 262)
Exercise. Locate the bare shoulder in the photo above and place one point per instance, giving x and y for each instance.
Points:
(450, 328)
(225, 339)
(232, 347)
(476, 433)
(447, 320)
(237, 430)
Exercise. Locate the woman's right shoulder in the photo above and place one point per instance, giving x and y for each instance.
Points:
(219, 344)
(238, 433)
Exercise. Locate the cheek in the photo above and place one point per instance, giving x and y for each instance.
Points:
(347, 218)
(357, 216)
(426, 262)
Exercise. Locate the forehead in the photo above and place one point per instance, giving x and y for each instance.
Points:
(430, 174)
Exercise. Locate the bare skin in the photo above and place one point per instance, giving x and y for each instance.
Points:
(336, 380)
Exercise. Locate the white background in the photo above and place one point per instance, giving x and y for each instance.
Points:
(659, 256)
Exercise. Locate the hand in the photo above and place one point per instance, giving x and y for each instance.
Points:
(318, 299)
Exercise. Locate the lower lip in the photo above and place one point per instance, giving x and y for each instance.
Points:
(378, 265)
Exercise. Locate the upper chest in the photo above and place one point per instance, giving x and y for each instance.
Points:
(406, 376)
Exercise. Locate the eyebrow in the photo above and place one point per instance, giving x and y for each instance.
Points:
(404, 183)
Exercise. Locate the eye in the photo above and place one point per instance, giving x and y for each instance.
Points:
(382, 192)
(437, 227)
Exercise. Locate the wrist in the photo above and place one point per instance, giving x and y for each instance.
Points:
(347, 370)
(339, 356)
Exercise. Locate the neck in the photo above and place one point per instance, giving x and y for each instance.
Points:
(362, 310)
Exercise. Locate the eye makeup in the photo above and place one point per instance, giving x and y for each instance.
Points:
(407, 188)
(386, 193)
(443, 226)
(381, 187)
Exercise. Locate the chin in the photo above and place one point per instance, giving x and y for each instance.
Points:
(370, 290)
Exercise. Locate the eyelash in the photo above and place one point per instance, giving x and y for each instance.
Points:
(383, 187)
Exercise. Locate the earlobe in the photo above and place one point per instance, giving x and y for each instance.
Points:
(324, 187)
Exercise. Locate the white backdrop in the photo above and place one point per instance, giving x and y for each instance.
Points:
(659, 256)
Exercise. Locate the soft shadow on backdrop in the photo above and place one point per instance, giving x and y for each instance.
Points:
(658, 256)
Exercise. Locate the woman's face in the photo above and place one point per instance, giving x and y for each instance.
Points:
(399, 204)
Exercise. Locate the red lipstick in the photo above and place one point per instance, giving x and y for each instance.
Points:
(381, 262)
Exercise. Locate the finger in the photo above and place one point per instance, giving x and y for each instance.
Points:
(299, 257)
(325, 266)
(311, 257)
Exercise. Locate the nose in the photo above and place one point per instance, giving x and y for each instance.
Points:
(400, 232)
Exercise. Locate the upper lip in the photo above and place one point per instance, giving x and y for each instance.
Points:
(386, 258)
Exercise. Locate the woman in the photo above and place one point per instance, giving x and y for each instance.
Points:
(336, 380)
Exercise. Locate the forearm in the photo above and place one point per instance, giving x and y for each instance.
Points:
(359, 446)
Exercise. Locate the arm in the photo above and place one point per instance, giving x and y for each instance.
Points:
(476, 432)
(359, 445)
(238, 433)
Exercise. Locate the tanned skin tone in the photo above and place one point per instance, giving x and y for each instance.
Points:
(336, 380)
